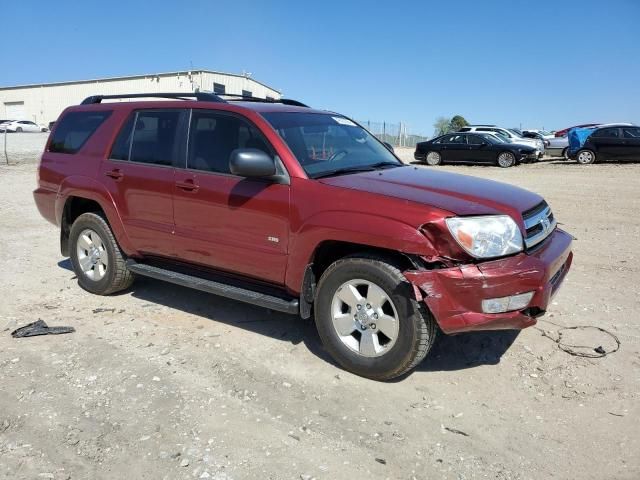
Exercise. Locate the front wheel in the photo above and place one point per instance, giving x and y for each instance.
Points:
(369, 320)
(19, 129)
(506, 160)
(586, 157)
(96, 257)
(433, 159)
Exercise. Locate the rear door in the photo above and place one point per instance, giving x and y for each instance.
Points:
(631, 139)
(231, 223)
(608, 143)
(457, 147)
(139, 173)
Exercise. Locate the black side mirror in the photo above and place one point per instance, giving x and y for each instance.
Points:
(251, 162)
(389, 146)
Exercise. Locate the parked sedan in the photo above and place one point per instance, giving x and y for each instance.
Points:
(611, 142)
(21, 126)
(558, 147)
(480, 148)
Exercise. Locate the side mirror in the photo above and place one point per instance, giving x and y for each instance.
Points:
(389, 146)
(251, 162)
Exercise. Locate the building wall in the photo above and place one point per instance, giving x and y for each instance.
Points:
(44, 103)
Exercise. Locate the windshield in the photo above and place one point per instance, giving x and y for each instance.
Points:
(516, 131)
(325, 144)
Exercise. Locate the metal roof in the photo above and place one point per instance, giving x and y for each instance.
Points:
(130, 77)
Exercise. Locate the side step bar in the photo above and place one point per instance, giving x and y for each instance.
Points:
(228, 291)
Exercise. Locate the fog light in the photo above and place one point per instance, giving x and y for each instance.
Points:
(507, 304)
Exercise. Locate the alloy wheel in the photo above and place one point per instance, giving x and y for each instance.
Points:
(92, 255)
(365, 318)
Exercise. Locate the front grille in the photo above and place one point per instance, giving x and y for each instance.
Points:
(539, 223)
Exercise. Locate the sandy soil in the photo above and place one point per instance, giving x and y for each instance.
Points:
(164, 382)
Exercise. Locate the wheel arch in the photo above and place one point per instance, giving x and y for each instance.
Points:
(81, 195)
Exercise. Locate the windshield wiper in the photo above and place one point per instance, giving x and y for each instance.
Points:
(355, 169)
(345, 170)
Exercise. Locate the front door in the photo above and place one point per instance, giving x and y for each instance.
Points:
(223, 221)
(479, 150)
(631, 139)
(139, 174)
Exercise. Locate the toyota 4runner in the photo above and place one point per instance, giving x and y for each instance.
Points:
(300, 211)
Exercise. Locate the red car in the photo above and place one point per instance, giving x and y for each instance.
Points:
(300, 211)
(565, 131)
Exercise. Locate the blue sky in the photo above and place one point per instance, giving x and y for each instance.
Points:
(531, 63)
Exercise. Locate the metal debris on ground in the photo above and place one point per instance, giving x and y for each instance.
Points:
(40, 328)
(582, 350)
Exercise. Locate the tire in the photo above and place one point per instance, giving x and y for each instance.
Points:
(433, 158)
(43, 130)
(565, 153)
(506, 159)
(19, 130)
(586, 157)
(96, 257)
(398, 346)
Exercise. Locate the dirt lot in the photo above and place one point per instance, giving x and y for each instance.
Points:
(164, 382)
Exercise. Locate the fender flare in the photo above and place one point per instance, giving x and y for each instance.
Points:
(367, 229)
(91, 189)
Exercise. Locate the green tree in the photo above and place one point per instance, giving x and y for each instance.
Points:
(442, 125)
(457, 122)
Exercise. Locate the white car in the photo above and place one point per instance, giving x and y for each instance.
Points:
(509, 134)
(22, 126)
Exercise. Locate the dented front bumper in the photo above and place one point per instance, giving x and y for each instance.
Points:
(454, 295)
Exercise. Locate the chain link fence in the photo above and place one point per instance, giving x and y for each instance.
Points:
(397, 134)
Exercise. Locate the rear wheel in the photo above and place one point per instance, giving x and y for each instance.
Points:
(586, 157)
(506, 160)
(96, 257)
(433, 158)
(19, 129)
(565, 153)
(368, 318)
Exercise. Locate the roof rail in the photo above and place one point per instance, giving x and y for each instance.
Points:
(233, 97)
(200, 96)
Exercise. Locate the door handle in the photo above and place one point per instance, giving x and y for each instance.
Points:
(116, 174)
(188, 185)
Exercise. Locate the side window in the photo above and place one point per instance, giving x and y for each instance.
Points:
(458, 139)
(475, 140)
(75, 128)
(631, 132)
(213, 136)
(122, 145)
(481, 129)
(607, 133)
(465, 129)
(155, 137)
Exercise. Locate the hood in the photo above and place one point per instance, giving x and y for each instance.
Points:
(458, 194)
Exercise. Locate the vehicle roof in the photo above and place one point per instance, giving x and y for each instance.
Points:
(259, 107)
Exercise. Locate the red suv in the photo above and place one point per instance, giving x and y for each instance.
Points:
(300, 211)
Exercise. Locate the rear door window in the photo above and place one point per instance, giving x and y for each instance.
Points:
(607, 133)
(156, 137)
(475, 140)
(75, 128)
(122, 145)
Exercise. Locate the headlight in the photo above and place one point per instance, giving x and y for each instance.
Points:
(487, 236)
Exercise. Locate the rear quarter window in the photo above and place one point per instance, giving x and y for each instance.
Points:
(75, 128)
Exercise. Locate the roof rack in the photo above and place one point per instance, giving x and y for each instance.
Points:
(233, 97)
(199, 95)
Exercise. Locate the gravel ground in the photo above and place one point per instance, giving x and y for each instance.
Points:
(164, 382)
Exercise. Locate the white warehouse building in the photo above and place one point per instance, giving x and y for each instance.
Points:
(43, 103)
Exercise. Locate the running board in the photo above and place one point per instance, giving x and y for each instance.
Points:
(228, 291)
